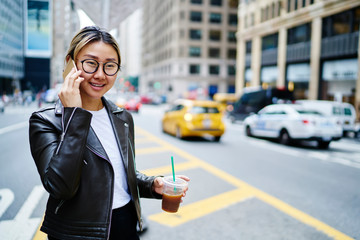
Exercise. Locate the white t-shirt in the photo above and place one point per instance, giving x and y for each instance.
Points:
(101, 124)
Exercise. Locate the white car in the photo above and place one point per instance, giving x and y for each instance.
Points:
(293, 122)
(343, 112)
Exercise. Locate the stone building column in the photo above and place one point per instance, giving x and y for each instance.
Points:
(315, 55)
(256, 60)
(281, 61)
(240, 66)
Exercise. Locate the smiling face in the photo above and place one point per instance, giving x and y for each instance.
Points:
(96, 84)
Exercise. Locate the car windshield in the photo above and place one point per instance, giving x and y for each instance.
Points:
(200, 109)
(312, 112)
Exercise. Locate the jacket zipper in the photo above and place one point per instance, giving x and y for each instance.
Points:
(137, 188)
(59, 206)
(62, 136)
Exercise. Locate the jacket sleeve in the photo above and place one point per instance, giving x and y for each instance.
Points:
(58, 155)
(144, 183)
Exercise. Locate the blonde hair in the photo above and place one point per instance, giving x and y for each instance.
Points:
(89, 35)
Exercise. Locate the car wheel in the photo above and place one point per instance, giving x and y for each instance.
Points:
(323, 144)
(217, 139)
(178, 132)
(284, 138)
(248, 131)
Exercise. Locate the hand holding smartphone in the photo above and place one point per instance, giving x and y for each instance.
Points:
(69, 65)
(70, 93)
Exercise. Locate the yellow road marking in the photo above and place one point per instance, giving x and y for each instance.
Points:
(215, 203)
(201, 208)
(40, 235)
(280, 205)
(167, 169)
(150, 150)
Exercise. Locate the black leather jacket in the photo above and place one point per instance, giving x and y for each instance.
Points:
(77, 172)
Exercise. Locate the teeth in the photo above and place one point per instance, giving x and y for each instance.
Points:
(97, 85)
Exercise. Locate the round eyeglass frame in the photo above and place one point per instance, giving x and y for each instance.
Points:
(97, 67)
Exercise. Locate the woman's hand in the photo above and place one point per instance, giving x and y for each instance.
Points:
(70, 92)
(158, 184)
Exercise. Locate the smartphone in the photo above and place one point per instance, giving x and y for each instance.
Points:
(70, 65)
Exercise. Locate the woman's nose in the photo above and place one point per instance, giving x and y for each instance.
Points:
(100, 72)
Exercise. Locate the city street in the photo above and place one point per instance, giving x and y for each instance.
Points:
(240, 188)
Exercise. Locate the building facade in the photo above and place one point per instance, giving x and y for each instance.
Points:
(308, 46)
(188, 47)
(11, 45)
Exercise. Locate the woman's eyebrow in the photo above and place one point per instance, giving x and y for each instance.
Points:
(95, 57)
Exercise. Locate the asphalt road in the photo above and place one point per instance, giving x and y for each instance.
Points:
(240, 188)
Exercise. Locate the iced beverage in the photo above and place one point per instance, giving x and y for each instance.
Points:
(172, 193)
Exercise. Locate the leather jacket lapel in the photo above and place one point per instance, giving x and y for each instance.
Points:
(121, 130)
(95, 145)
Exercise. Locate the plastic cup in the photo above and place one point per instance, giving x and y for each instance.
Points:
(172, 193)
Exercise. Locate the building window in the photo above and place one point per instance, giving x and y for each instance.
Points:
(194, 51)
(233, 19)
(233, 3)
(270, 41)
(342, 23)
(231, 70)
(214, 35)
(299, 34)
(215, 2)
(232, 36)
(214, 70)
(215, 18)
(195, 34)
(194, 69)
(196, 1)
(231, 54)
(248, 47)
(196, 16)
(214, 52)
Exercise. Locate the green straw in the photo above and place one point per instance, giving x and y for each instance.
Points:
(173, 171)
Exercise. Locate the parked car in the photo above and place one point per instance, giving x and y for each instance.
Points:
(194, 118)
(130, 103)
(293, 122)
(344, 113)
(254, 99)
(133, 104)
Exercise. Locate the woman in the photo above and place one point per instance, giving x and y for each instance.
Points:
(83, 148)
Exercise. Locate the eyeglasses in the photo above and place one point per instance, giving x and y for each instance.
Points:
(90, 66)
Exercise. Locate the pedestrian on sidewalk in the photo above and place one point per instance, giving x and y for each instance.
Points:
(84, 150)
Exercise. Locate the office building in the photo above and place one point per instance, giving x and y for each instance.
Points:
(11, 45)
(188, 47)
(308, 46)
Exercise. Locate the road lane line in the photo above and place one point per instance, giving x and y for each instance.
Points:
(13, 127)
(188, 212)
(282, 206)
(39, 235)
(9, 229)
(201, 208)
(6, 198)
(167, 169)
(149, 150)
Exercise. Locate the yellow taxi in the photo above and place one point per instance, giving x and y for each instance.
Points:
(193, 118)
(226, 100)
